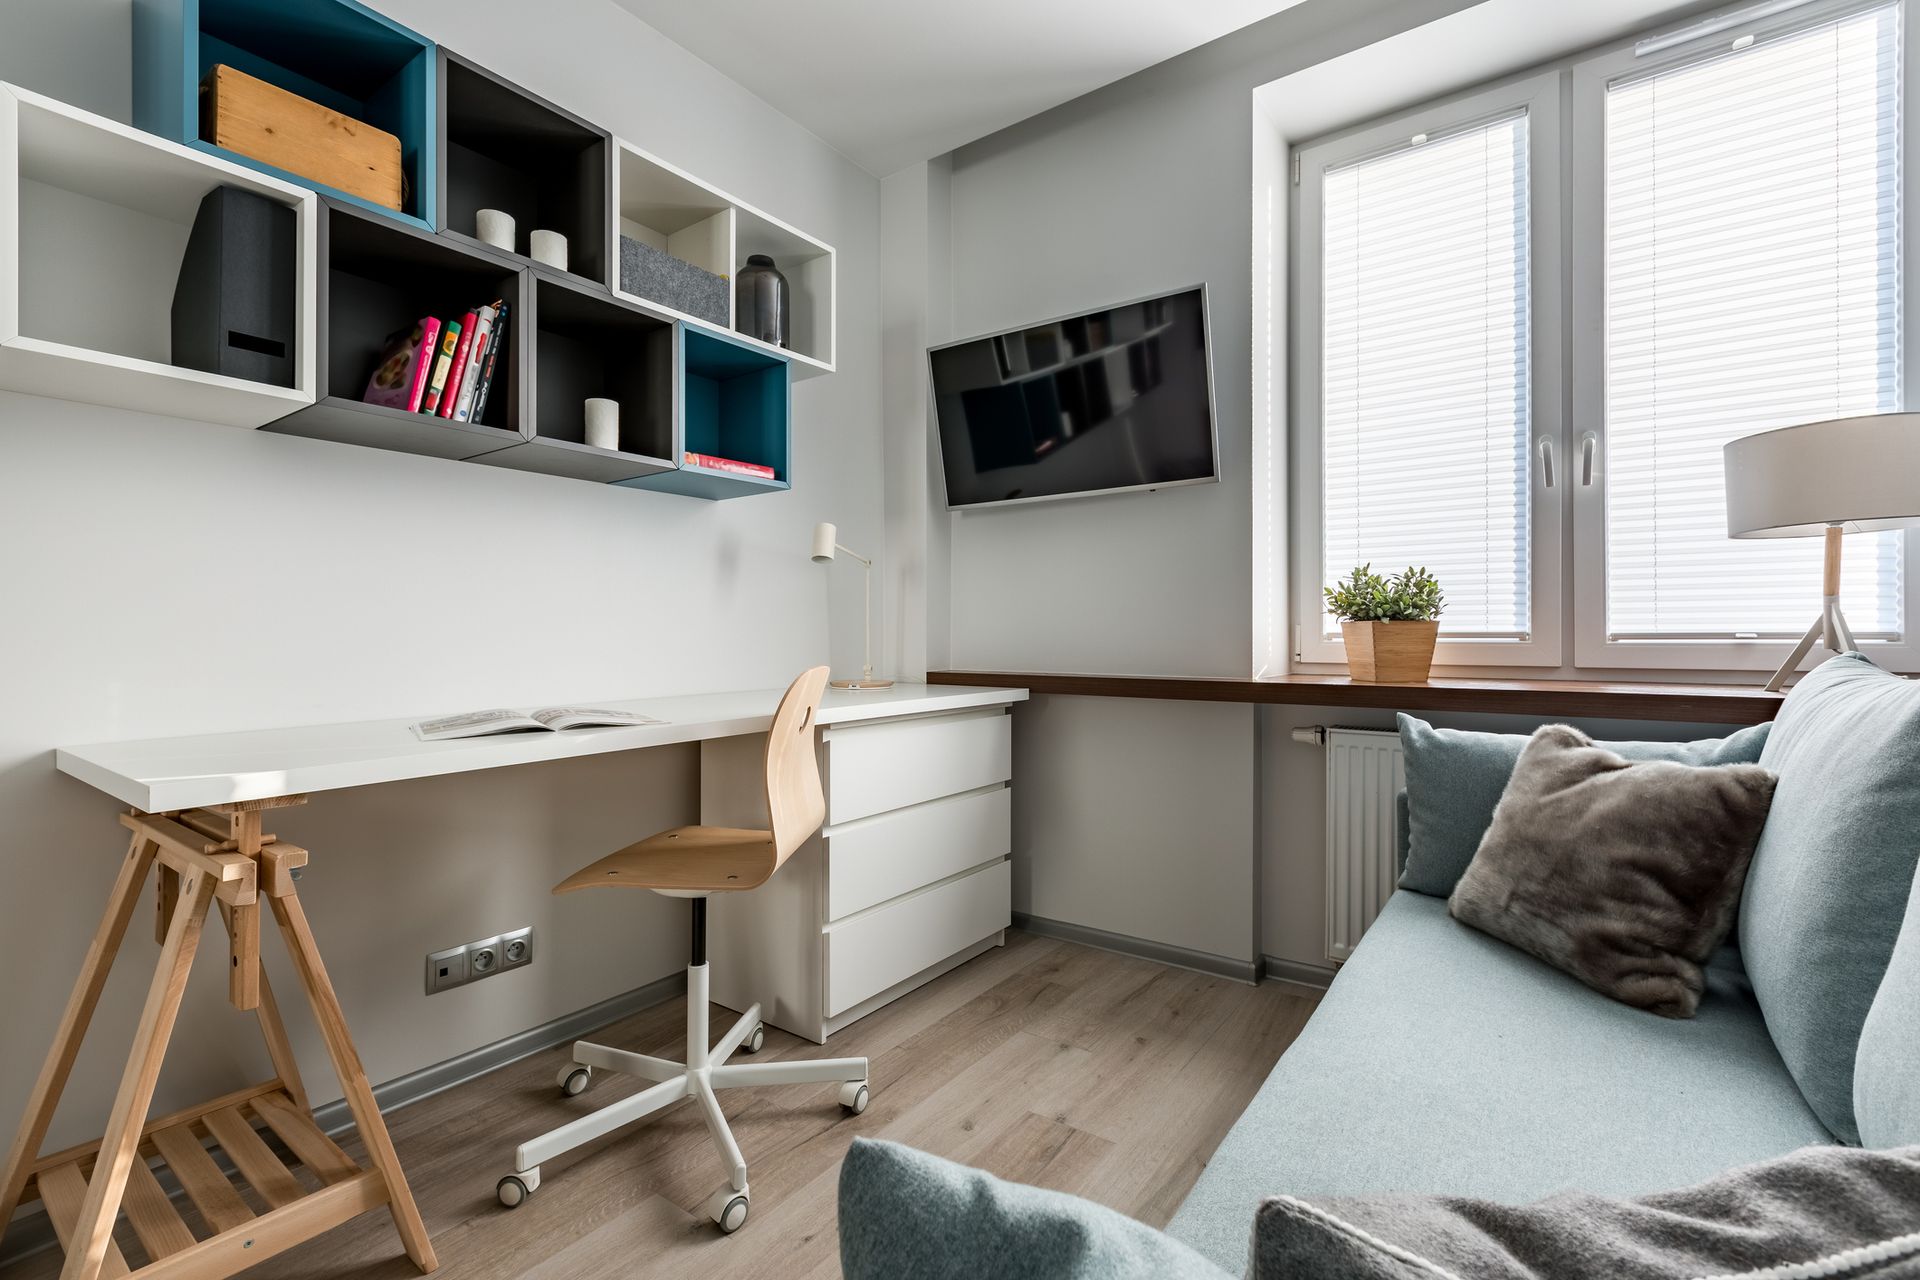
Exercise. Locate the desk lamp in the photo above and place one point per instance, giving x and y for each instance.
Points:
(824, 545)
(1858, 475)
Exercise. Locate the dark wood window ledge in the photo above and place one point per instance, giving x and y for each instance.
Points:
(1690, 703)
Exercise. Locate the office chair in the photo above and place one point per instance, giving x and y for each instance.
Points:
(691, 863)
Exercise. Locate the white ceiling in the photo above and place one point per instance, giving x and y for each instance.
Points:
(891, 82)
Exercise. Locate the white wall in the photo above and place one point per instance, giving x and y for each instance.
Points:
(164, 577)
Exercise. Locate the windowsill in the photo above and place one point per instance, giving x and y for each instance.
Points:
(1615, 700)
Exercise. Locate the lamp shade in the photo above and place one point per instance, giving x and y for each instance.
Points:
(824, 536)
(1862, 474)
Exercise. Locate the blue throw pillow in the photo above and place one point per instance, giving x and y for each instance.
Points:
(906, 1213)
(1886, 1071)
(1455, 777)
(1831, 876)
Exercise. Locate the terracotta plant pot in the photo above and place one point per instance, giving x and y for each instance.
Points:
(1390, 652)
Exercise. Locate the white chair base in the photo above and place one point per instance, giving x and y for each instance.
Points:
(701, 1076)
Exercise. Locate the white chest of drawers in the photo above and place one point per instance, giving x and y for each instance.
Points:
(909, 877)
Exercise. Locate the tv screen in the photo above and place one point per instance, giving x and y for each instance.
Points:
(1115, 399)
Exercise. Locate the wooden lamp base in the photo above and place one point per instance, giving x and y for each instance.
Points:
(862, 684)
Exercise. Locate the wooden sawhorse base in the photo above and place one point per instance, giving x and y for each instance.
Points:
(203, 856)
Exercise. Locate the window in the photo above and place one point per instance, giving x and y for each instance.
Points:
(1426, 379)
(1749, 209)
(1737, 222)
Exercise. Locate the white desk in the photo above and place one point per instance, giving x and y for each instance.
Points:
(910, 878)
(161, 775)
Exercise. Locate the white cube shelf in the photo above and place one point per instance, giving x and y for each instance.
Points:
(94, 219)
(662, 205)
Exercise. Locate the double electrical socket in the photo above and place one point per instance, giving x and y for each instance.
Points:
(457, 966)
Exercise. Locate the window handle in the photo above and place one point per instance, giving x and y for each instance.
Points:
(1546, 460)
(1589, 445)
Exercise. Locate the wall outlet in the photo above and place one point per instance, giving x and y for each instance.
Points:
(516, 948)
(447, 969)
(457, 966)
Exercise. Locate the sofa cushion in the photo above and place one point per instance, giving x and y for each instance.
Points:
(1829, 882)
(1624, 875)
(1442, 1060)
(1455, 778)
(1818, 1210)
(1886, 1072)
(906, 1213)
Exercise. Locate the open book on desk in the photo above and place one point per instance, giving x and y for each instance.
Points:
(480, 724)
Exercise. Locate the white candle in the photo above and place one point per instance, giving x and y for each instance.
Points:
(603, 423)
(495, 228)
(550, 247)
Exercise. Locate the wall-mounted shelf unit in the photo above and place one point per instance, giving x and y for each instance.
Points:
(380, 277)
(734, 403)
(94, 219)
(587, 343)
(503, 148)
(668, 208)
(337, 53)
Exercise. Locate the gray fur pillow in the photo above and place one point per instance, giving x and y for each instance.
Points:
(1624, 875)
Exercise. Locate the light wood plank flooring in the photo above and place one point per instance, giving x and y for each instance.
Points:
(1042, 1061)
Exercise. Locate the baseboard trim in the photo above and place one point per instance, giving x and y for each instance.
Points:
(1144, 948)
(30, 1231)
(1298, 972)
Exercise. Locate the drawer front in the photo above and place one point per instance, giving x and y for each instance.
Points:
(890, 854)
(872, 768)
(870, 953)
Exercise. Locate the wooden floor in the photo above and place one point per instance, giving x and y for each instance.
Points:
(1042, 1061)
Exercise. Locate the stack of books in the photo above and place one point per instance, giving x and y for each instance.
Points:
(442, 367)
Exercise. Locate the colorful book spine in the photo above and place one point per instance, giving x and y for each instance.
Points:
(733, 466)
(470, 381)
(442, 365)
(457, 373)
(494, 347)
(423, 366)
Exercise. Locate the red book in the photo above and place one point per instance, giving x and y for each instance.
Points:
(437, 384)
(458, 373)
(709, 462)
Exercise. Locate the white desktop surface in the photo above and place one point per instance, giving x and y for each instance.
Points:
(158, 775)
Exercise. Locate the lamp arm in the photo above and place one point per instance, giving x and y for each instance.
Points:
(856, 555)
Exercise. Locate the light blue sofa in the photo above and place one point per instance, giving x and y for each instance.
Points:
(1442, 1060)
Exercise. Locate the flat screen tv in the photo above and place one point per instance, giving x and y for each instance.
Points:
(1115, 399)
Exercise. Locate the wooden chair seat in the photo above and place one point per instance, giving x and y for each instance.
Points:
(711, 859)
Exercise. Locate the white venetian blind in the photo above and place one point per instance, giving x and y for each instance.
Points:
(1753, 281)
(1424, 392)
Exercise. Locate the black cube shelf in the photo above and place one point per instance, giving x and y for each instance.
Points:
(379, 276)
(504, 148)
(587, 343)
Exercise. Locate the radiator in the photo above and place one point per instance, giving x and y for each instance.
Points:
(1365, 772)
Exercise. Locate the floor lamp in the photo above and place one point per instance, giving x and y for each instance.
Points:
(825, 544)
(1844, 475)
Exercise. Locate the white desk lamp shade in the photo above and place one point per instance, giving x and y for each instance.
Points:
(824, 537)
(1862, 474)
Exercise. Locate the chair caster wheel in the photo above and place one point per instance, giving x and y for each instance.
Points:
(514, 1189)
(755, 1041)
(728, 1209)
(574, 1079)
(853, 1096)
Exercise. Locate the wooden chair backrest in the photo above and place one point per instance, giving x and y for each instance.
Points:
(795, 803)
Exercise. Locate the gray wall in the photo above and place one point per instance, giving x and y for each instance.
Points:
(1195, 825)
(381, 585)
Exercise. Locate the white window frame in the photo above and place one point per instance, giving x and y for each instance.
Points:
(1593, 647)
(1540, 96)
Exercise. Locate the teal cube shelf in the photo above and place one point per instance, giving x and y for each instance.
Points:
(337, 53)
(735, 402)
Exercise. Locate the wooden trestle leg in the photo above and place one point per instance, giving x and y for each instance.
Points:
(201, 857)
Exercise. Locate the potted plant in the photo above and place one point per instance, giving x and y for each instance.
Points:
(1389, 624)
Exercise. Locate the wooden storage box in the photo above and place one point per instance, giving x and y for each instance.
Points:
(248, 115)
